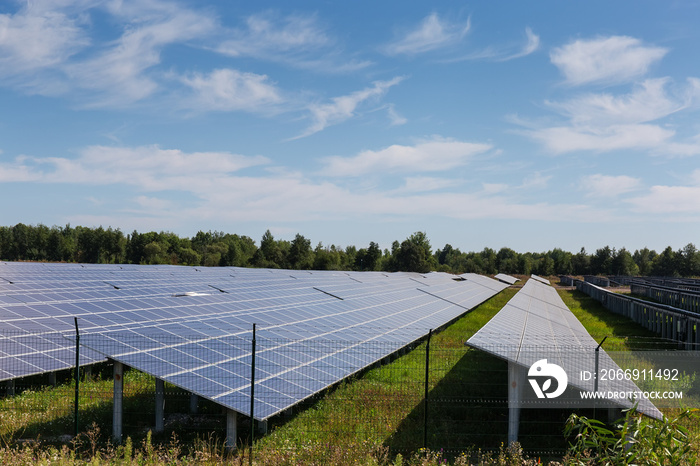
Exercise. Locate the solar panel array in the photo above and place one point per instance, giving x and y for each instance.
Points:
(536, 324)
(192, 326)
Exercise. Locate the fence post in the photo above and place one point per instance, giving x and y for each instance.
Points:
(425, 397)
(77, 375)
(252, 399)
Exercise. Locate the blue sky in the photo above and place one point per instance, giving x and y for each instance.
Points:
(530, 125)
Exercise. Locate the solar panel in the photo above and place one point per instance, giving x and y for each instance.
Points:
(507, 279)
(192, 327)
(540, 279)
(304, 345)
(535, 325)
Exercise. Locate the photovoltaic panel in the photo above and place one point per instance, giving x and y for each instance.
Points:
(192, 326)
(540, 279)
(303, 345)
(507, 278)
(536, 324)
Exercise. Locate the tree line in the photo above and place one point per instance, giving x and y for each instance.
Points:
(415, 254)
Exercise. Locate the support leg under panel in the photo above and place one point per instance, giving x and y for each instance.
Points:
(118, 407)
(231, 429)
(516, 379)
(160, 405)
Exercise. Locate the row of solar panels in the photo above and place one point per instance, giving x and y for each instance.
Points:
(192, 327)
(537, 325)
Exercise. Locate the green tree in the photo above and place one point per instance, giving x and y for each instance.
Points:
(563, 261)
(644, 259)
(623, 263)
(581, 263)
(270, 253)
(601, 262)
(690, 261)
(665, 264)
(507, 261)
(300, 254)
(489, 261)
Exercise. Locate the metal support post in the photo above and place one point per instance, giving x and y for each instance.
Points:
(194, 403)
(117, 409)
(516, 380)
(231, 429)
(425, 396)
(160, 405)
(77, 378)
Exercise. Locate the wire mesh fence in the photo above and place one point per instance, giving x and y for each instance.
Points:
(432, 393)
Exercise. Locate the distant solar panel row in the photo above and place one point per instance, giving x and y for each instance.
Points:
(192, 327)
(536, 324)
(507, 279)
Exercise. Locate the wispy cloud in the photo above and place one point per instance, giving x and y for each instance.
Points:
(395, 118)
(344, 107)
(606, 186)
(295, 40)
(50, 48)
(668, 200)
(432, 33)
(611, 59)
(531, 46)
(433, 155)
(37, 38)
(417, 184)
(605, 121)
(216, 188)
(231, 90)
(649, 101)
(118, 76)
(502, 53)
(150, 168)
(562, 139)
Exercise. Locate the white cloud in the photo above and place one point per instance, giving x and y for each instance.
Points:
(605, 122)
(564, 139)
(150, 168)
(295, 40)
(681, 149)
(535, 181)
(394, 117)
(668, 200)
(215, 190)
(417, 184)
(230, 90)
(661, 199)
(494, 188)
(605, 186)
(266, 35)
(431, 34)
(18, 171)
(344, 107)
(119, 75)
(50, 47)
(502, 53)
(533, 43)
(427, 156)
(649, 101)
(37, 37)
(605, 59)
